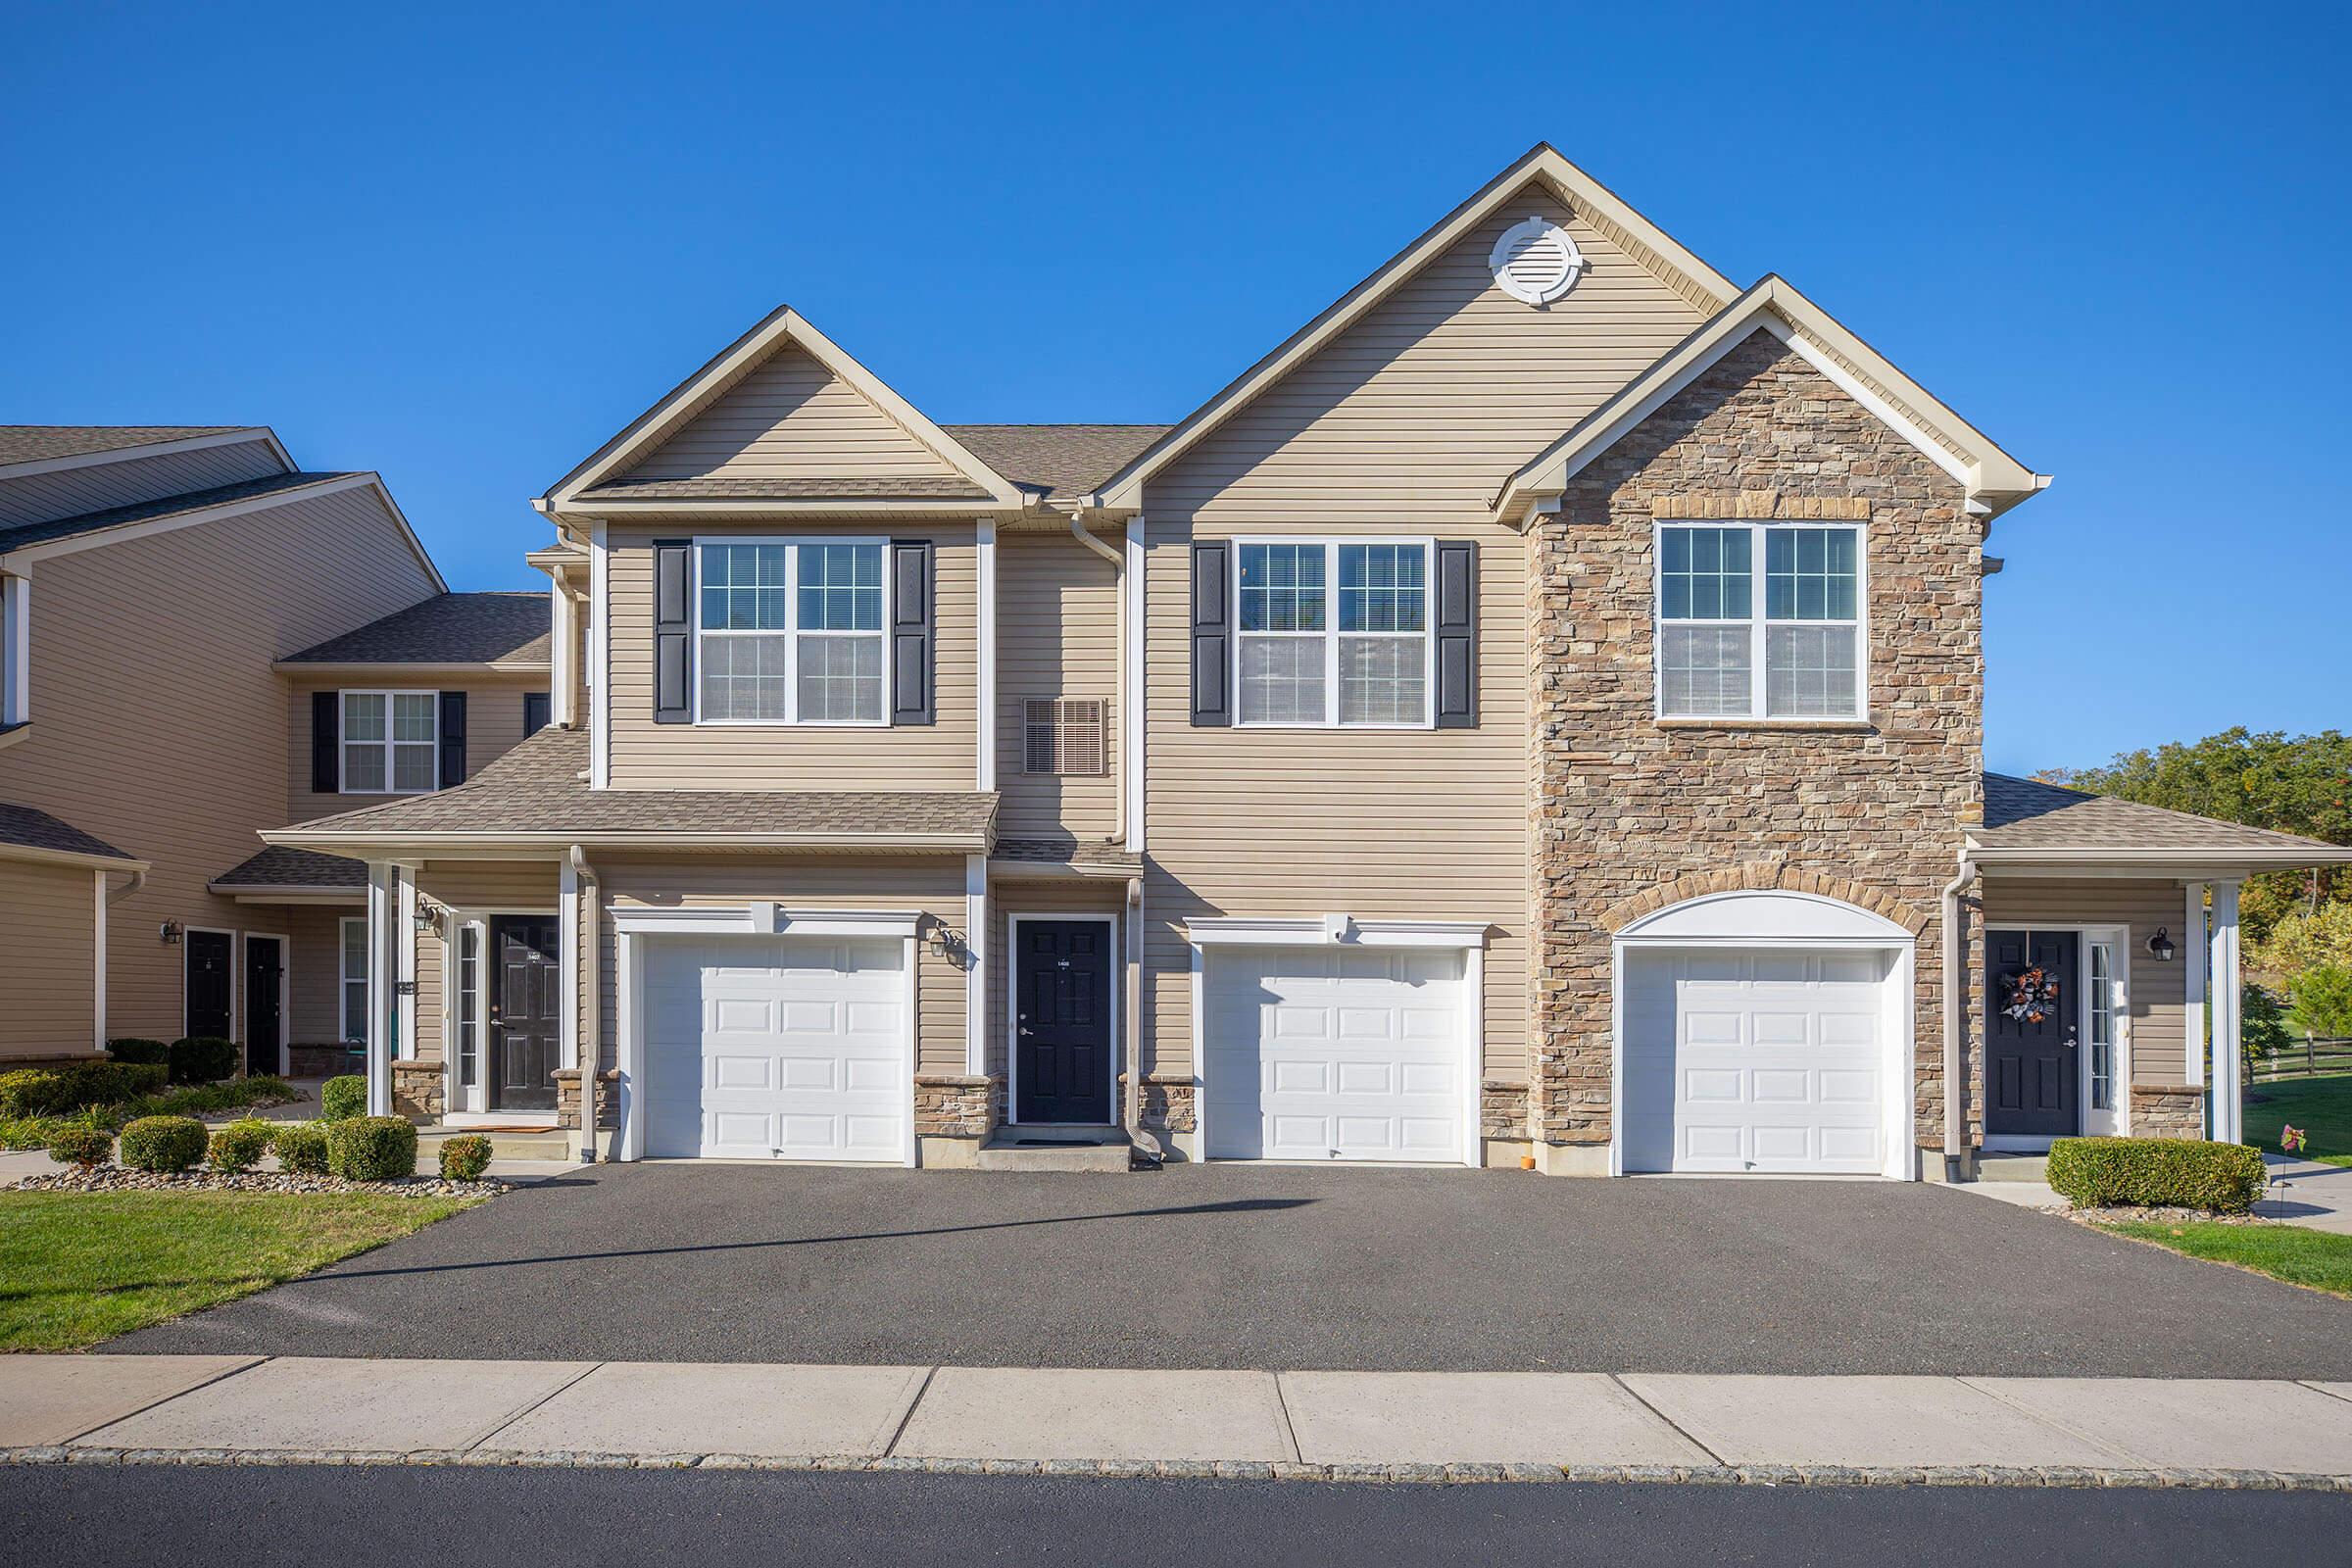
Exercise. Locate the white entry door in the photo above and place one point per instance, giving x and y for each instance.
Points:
(1757, 1060)
(1339, 1052)
(776, 1047)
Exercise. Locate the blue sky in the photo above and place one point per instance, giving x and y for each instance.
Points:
(463, 246)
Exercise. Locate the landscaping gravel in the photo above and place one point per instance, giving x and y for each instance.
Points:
(116, 1179)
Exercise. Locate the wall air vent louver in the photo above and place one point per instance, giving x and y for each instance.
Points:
(1536, 262)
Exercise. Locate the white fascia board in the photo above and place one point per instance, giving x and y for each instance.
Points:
(361, 845)
(101, 863)
(305, 896)
(150, 449)
(2161, 861)
(393, 670)
(947, 510)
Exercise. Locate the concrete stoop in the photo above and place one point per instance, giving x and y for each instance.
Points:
(552, 1143)
(1057, 1148)
(2013, 1167)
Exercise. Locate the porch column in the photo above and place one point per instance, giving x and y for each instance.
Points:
(2194, 948)
(975, 957)
(2229, 1110)
(383, 911)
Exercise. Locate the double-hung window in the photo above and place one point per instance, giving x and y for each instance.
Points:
(391, 742)
(789, 633)
(1332, 633)
(1759, 621)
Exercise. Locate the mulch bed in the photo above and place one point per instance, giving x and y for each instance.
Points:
(117, 1179)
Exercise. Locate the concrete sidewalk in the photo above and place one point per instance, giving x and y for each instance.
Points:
(1389, 1426)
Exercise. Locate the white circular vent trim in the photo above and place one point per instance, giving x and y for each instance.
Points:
(1536, 261)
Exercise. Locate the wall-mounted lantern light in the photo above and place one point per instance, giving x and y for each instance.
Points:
(170, 932)
(2160, 945)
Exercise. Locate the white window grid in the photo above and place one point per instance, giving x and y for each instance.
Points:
(351, 993)
(389, 744)
(1758, 623)
(2102, 1015)
(1331, 636)
(791, 632)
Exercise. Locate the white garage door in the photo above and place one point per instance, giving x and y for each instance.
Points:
(1335, 1052)
(1761, 1060)
(775, 1048)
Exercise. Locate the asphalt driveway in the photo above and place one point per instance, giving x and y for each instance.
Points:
(1283, 1267)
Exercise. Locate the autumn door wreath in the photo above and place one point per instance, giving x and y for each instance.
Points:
(2032, 995)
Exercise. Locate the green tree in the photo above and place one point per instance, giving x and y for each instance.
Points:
(2323, 999)
(2261, 1026)
(2303, 940)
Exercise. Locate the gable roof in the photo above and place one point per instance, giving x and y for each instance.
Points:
(698, 391)
(475, 629)
(45, 443)
(30, 834)
(1994, 478)
(1682, 271)
(2032, 820)
(277, 869)
(87, 522)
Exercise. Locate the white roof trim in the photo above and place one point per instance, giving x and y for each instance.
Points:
(148, 528)
(1773, 305)
(150, 449)
(1123, 490)
(1767, 918)
(685, 400)
(389, 843)
(47, 857)
(2168, 857)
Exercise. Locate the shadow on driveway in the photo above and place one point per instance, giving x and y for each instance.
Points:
(1282, 1266)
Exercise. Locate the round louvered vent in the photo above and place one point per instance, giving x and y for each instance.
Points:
(1536, 261)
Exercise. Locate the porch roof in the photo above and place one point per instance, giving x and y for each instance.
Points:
(30, 834)
(537, 797)
(2030, 822)
(277, 869)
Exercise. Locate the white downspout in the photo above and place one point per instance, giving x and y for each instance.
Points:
(1955, 1055)
(591, 1031)
(1118, 576)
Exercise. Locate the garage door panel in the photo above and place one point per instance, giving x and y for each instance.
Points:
(1759, 1061)
(1321, 1054)
(775, 1048)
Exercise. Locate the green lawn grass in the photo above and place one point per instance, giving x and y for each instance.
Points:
(2318, 1259)
(79, 1267)
(2320, 1107)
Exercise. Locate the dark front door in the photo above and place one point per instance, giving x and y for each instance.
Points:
(265, 966)
(1062, 1031)
(2032, 1065)
(526, 1012)
(209, 985)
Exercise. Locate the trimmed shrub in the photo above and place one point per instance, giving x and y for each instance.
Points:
(240, 1146)
(164, 1142)
(464, 1158)
(300, 1147)
(202, 1059)
(82, 1142)
(372, 1149)
(2157, 1172)
(142, 1053)
(341, 1099)
(31, 1091)
(56, 1091)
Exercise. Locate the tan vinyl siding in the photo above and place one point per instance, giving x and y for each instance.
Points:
(2157, 991)
(1058, 635)
(720, 757)
(790, 419)
(129, 480)
(158, 723)
(1061, 897)
(1408, 424)
(492, 727)
(48, 987)
(934, 887)
(313, 968)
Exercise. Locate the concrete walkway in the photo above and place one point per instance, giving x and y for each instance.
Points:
(2302, 1191)
(1395, 1426)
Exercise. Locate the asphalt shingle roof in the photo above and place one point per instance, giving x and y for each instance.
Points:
(31, 829)
(277, 867)
(537, 789)
(35, 533)
(1067, 460)
(38, 443)
(2027, 813)
(1064, 852)
(476, 628)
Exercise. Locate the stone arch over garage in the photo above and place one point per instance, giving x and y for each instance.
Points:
(1762, 876)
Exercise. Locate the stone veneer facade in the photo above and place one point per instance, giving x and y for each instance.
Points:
(1631, 812)
(2168, 1110)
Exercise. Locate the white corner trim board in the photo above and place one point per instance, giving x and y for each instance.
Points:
(1334, 930)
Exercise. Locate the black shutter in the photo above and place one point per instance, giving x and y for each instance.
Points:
(326, 743)
(912, 631)
(534, 712)
(1212, 600)
(453, 739)
(673, 636)
(1458, 634)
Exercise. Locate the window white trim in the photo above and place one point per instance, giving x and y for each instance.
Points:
(344, 742)
(1331, 636)
(16, 650)
(1757, 621)
(791, 631)
(345, 979)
